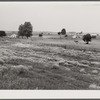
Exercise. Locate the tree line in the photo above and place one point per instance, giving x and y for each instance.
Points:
(26, 30)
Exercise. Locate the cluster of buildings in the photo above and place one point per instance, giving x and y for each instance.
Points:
(80, 34)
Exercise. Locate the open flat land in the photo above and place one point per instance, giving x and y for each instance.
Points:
(49, 63)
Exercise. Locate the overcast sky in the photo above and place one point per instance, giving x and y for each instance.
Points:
(51, 16)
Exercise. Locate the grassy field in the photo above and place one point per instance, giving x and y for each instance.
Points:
(49, 63)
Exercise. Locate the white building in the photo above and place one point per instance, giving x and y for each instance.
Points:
(13, 36)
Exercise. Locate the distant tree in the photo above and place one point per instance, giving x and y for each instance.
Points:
(21, 30)
(81, 33)
(87, 38)
(41, 34)
(59, 33)
(25, 30)
(2, 33)
(28, 29)
(63, 31)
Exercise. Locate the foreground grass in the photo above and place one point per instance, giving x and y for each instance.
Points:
(25, 64)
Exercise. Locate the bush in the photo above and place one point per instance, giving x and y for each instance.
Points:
(59, 33)
(41, 34)
(66, 35)
(87, 38)
(25, 30)
(2, 33)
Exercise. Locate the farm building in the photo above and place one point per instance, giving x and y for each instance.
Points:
(75, 36)
(94, 35)
(13, 36)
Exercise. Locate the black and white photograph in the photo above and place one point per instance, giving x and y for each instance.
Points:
(50, 45)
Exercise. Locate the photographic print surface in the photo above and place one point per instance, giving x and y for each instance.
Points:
(50, 45)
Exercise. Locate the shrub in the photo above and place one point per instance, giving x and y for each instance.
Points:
(25, 30)
(87, 38)
(66, 35)
(41, 34)
(59, 33)
(2, 33)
